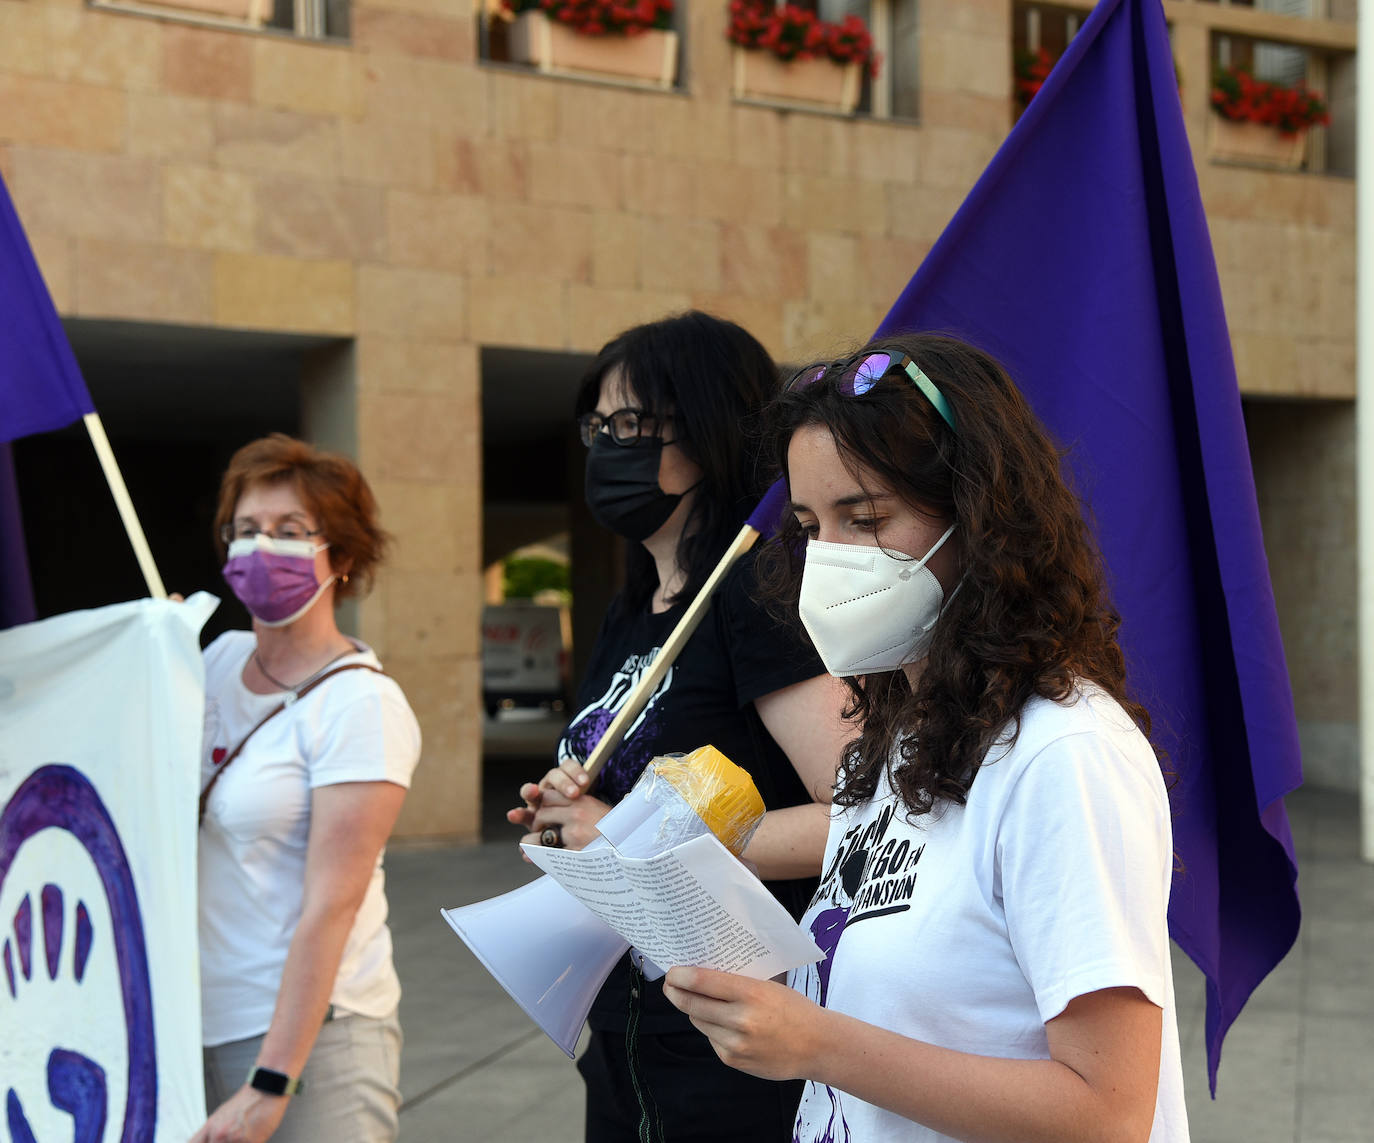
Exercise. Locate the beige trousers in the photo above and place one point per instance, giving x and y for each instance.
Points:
(350, 1092)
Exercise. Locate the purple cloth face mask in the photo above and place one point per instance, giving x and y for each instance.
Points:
(274, 579)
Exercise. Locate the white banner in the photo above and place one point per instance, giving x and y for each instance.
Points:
(100, 733)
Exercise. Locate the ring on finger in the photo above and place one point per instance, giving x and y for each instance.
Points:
(551, 836)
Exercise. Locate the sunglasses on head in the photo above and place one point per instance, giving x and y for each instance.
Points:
(855, 376)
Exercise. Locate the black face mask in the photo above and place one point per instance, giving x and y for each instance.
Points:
(622, 487)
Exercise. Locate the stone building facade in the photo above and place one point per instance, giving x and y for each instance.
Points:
(412, 203)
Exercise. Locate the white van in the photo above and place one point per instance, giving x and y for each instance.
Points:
(524, 662)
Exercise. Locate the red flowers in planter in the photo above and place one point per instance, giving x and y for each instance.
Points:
(793, 33)
(1032, 69)
(602, 17)
(1238, 95)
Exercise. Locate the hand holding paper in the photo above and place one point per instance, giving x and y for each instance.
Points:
(657, 878)
(694, 904)
(758, 1026)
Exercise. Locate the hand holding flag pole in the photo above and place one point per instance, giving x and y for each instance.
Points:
(762, 521)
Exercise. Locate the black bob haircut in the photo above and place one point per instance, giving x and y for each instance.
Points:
(713, 379)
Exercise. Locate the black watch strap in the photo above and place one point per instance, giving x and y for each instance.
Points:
(272, 1083)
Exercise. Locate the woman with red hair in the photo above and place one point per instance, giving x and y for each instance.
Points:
(309, 750)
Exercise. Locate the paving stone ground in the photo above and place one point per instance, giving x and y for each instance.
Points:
(1298, 1066)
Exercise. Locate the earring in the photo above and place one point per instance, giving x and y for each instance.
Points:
(345, 577)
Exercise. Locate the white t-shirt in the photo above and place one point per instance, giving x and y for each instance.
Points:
(357, 727)
(972, 927)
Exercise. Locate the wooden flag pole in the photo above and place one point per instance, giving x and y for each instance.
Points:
(638, 698)
(115, 479)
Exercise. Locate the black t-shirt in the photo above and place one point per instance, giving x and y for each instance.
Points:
(737, 655)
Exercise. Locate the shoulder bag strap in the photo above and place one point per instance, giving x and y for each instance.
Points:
(276, 710)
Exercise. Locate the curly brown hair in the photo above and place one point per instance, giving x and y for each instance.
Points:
(1032, 615)
(331, 488)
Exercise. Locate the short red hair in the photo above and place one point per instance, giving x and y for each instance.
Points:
(332, 490)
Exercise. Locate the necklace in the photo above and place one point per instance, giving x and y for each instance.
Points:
(276, 682)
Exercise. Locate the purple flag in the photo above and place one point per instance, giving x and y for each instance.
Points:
(1082, 261)
(767, 514)
(40, 389)
(40, 385)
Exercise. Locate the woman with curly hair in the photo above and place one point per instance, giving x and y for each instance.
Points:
(996, 879)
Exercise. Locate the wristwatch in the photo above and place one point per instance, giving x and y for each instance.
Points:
(273, 1083)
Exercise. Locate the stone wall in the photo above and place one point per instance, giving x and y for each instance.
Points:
(1304, 459)
(397, 192)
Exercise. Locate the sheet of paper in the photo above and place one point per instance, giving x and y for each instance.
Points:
(594, 877)
(633, 825)
(695, 904)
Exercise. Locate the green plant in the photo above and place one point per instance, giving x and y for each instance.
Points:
(523, 577)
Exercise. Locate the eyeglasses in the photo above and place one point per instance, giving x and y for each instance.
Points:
(625, 427)
(288, 531)
(857, 375)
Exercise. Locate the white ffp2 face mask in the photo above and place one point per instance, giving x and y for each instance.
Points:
(866, 610)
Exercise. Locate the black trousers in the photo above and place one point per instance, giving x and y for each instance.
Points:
(690, 1096)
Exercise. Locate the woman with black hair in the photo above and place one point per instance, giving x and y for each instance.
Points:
(993, 902)
(664, 412)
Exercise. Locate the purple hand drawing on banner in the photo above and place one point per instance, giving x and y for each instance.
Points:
(76, 1085)
(60, 798)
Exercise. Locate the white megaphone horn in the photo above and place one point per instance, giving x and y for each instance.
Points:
(545, 948)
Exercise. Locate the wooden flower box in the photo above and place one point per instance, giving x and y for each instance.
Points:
(808, 83)
(255, 13)
(648, 57)
(1256, 143)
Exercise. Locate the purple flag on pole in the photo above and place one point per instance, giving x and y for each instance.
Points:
(1082, 261)
(767, 514)
(40, 385)
(40, 389)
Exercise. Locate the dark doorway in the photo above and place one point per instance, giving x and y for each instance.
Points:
(532, 477)
(176, 402)
(532, 496)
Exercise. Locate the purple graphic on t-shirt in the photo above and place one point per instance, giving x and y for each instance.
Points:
(826, 930)
(629, 759)
(581, 737)
(864, 857)
(637, 749)
(829, 1135)
(625, 764)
